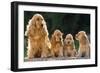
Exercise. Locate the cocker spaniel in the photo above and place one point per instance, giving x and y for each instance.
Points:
(57, 44)
(69, 46)
(38, 41)
(84, 45)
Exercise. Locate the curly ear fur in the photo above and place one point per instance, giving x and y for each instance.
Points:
(73, 44)
(45, 27)
(84, 39)
(29, 29)
(53, 39)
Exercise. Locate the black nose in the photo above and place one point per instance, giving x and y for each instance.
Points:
(42, 25)
(60, 38)
(68, 42)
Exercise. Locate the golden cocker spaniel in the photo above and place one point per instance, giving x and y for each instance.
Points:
(57, 44)
(84, 45)
(38, 41)
(69, 46)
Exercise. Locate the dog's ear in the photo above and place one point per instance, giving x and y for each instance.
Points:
(76, 36)
(73, 43)
(33, 21)
(27, 28)
(84, 38)
(65, 41)
(45, 28)
(53, 38)
(72, 37)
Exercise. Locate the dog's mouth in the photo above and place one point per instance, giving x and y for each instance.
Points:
(68, 43)
(39, 25)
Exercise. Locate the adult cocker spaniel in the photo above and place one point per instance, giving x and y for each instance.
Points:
(38, 41)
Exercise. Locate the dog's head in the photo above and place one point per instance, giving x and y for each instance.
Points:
(69, 39)
(38, 21)
(57, 35)
(81, 36)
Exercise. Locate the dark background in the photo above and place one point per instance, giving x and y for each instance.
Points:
(65, 22)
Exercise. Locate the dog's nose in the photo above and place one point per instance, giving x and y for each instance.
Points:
(60, 38)
(68, 42)
(42, 25)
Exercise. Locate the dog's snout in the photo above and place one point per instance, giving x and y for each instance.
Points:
(68, 42)
(60, 38)
(42, 25)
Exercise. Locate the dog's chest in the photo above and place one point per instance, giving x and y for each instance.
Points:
(69, 47)
(58, 45)
(38, 35)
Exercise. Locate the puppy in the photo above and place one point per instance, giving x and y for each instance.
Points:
(84, 45)
(38, 41)
(69, 46)
(57, 44)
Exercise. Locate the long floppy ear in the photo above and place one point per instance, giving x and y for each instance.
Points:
(65, 39)
(28, 28)
(45, 28)
(53, 39)
(84, 39)
(73, 44)
(33, 21)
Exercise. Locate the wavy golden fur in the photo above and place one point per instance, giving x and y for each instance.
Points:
(38, 41)
(84, 45)
(57, 44)
(69, 46)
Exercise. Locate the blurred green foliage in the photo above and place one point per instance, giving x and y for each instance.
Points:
(66, 22)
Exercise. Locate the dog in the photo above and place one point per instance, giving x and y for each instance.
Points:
(84, 45)
(69, 46)
(38, 41)
(57, 44)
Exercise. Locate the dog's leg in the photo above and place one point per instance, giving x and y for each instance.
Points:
(52, 52)
(45, 52)
(88, 53)
(79, 54)
(30, 53)
(74, 53)
(61, 52)
(65, 52)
